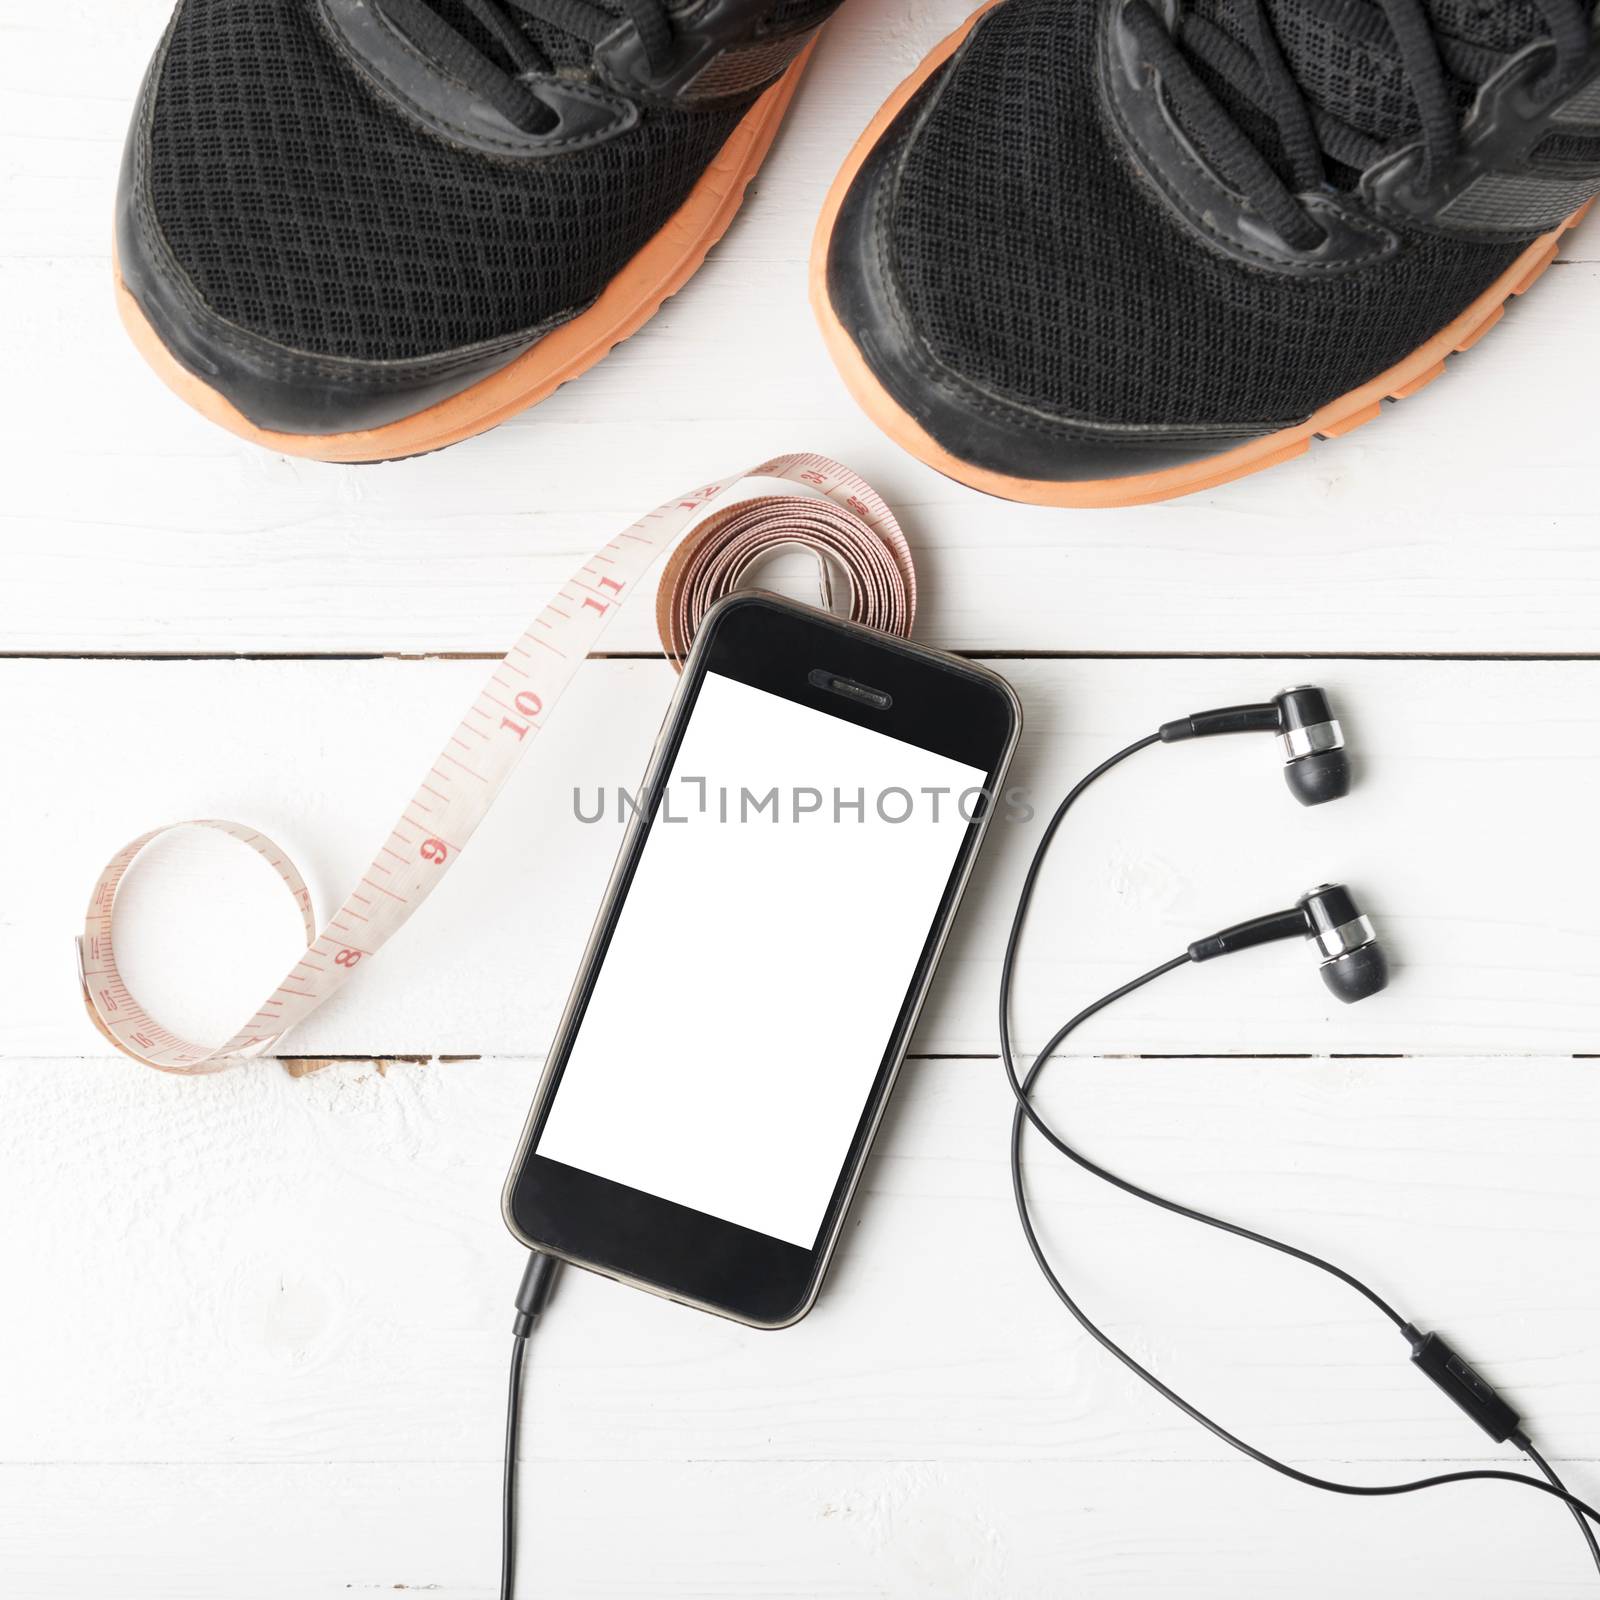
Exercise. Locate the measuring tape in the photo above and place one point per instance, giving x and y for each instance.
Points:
(798, 501)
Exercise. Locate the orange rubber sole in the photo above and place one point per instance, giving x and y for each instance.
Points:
(1338, 417)
(637, 292)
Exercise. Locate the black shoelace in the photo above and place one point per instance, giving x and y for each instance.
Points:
(501, 83)
(1308, 135)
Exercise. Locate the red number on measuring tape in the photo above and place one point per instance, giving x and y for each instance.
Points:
(347, 958)
(434, 850)
(530, 705)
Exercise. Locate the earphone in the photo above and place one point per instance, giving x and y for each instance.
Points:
(1315, 765)
(1353, 966)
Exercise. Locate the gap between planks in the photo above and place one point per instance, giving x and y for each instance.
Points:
(301, 1066)
(117, 1463)
(1516, 657)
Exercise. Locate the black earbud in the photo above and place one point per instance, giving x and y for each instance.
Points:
(1353, 963)
(1316, 767)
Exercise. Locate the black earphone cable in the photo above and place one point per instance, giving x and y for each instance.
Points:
(1526, 1446)
(533, 1293)
(508, 1496)
(1026, 1107)
(1026, 1112)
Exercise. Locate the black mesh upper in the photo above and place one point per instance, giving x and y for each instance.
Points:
(307, 210)
(783, 15)
(1037, 263)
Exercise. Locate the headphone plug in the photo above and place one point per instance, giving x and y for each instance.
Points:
(533, 1293)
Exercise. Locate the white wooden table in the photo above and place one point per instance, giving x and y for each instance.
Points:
(253, 1328)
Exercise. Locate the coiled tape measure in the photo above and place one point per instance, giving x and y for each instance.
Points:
(803, 501)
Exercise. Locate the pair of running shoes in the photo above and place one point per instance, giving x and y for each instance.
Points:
(1091, 253)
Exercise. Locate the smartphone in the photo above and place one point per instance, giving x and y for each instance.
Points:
(794, 861)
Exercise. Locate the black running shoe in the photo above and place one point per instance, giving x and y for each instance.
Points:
(358, 229)
(1101, 252)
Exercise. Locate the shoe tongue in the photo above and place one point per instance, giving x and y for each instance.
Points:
(1344, 57)
(1506, 25)
(561, 48)
(567, 52)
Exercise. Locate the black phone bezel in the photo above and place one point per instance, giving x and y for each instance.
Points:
(935, 701)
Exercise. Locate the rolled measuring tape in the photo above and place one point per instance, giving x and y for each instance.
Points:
(797, 501)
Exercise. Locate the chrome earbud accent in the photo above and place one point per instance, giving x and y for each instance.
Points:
(1348, 936)
(1312, 740)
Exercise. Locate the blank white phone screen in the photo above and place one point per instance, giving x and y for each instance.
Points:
(759, 963)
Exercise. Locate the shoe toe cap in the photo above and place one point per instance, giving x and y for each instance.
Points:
(904, 375)
(1009, 289)
(327, 263)
(205, 293)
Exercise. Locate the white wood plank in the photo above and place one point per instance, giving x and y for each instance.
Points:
(1468, 836)
(813, 1531)
(256, 1268)
(1463, 521)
